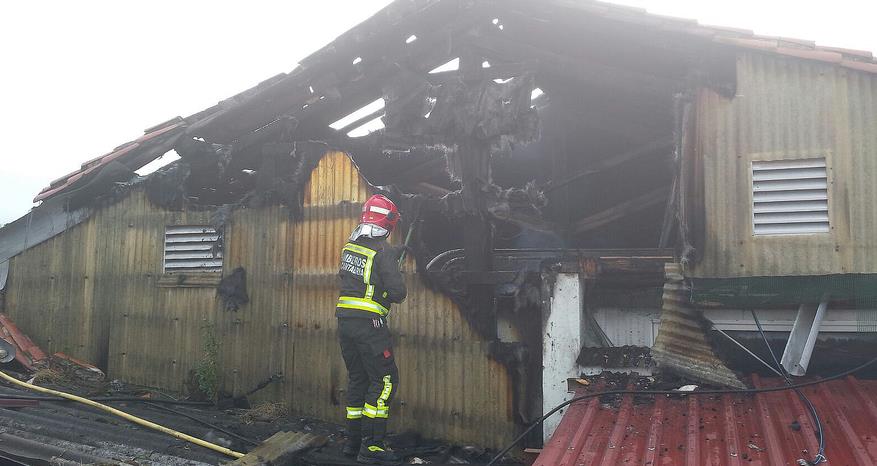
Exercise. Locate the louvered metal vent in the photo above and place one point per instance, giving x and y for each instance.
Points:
(192, 249)
(790, 197)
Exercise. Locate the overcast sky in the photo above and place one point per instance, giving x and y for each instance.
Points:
(79, 78)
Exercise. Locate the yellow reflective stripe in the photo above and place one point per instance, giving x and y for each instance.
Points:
(369, 264)
(367, 273)
(375, 413)
(354, 412)
(360, 308)
(370, 411)
(385, 393)
(375, 448)
(360, 250)
(381, 411)
(349, 302)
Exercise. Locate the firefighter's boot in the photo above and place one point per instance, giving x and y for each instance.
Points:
(354, 437)
(373, 450)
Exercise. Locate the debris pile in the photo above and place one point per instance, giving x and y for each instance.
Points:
(57, 367)
(265, 412)
(627, 357)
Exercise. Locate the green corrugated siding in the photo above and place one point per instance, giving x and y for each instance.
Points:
(755, 292)
(784, 109)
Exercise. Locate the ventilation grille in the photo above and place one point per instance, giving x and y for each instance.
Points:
(790, 197)
(192, 249)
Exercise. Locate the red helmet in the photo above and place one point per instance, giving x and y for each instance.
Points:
(380, 211)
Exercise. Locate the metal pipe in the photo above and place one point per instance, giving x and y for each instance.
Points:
(814, 332)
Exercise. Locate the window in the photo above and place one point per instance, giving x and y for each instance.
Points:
(192, 249)
(790, 197)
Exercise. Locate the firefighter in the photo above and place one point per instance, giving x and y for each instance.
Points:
(370, 282)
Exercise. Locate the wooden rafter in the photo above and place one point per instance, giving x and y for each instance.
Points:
(619, 211)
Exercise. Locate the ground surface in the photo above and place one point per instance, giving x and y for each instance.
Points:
(79, 429)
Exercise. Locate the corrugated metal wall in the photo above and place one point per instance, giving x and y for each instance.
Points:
(449, 386)
(155, 335)
(70, 291)
(789, 109)
(255, 341)
(628, 326)
(93, 292)
(51, 294)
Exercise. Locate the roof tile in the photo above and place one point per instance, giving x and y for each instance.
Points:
(760, 44)
(65, 181)
(851, 52)
(859, 66)
(819, 55)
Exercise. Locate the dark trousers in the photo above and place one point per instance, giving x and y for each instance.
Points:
(373, 377)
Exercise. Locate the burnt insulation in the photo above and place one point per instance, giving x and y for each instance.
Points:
(166, 188)
(232, 290)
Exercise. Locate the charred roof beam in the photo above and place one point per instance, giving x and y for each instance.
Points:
(648, 149)
(494, 71)
(644, 201)
(332, 71)
(589, 71)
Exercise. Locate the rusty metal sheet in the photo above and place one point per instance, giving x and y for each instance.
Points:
(719, 430)
(789, 109)
(681, 344)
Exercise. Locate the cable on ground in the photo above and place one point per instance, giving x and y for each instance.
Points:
(820, 432)
(206, 423)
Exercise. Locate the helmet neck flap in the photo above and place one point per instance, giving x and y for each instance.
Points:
(368, 230)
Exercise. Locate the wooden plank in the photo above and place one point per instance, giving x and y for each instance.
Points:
(280, 449)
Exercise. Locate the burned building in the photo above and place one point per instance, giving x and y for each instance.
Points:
(572, 173)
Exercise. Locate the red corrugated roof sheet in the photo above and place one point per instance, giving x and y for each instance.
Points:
(26, 351)
(94, 164)
(734, 430)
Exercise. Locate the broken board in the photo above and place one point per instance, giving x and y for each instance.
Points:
(280, 449)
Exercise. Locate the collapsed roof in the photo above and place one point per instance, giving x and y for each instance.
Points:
(511, 48)
(533, 124)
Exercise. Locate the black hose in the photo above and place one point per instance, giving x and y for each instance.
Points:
(104, 398)
(202, 421)
(820, 432)
(674, 392)
(108, 398)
